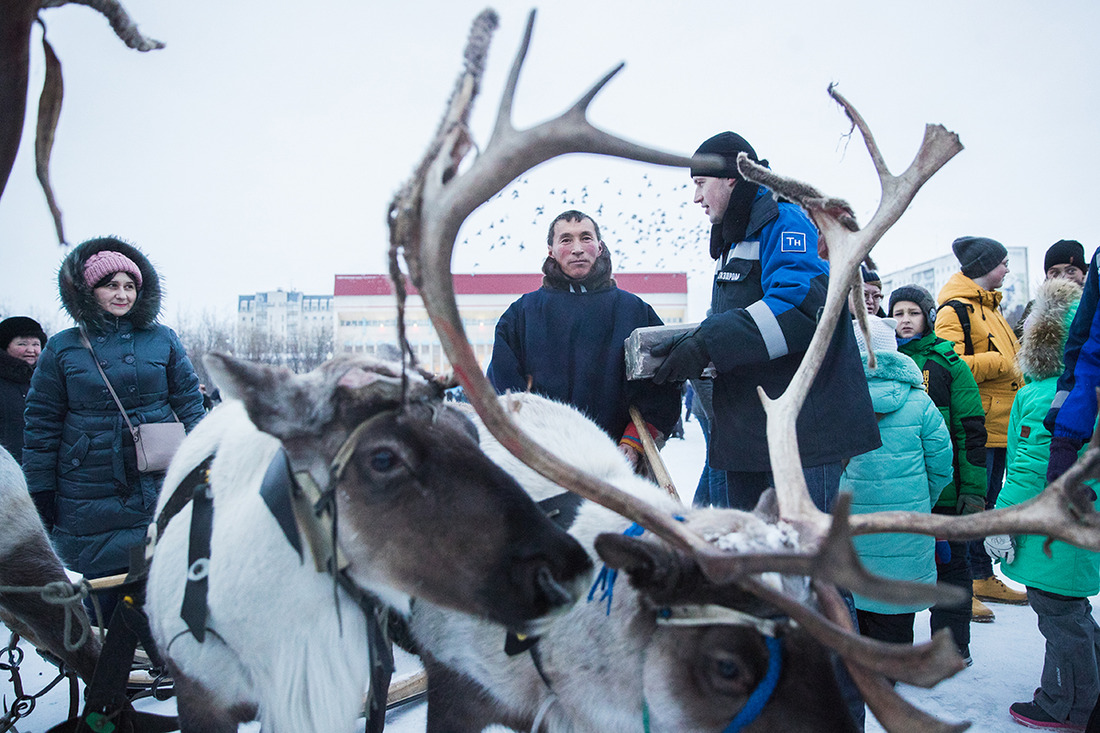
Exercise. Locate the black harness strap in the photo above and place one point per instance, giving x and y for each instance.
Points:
(562, 510)
(962, 310)
(195, 609)
(182, 494)
(276, 490)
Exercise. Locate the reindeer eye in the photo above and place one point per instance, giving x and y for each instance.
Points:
(384, 459)
(727, 669)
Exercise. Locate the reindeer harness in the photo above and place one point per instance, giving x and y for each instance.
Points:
(703, 615)
(302, 508)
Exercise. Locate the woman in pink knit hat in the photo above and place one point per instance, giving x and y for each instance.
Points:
(78, 454)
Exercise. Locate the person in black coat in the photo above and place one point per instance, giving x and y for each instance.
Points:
(21, 341)
(78, 455)
(565, 340)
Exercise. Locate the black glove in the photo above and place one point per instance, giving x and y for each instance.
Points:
(46, 503)
(1063, 454)
(687, 358)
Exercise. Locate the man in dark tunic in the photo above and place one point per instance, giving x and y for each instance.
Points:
(565, 340)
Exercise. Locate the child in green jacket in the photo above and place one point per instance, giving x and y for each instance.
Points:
(1059, 586)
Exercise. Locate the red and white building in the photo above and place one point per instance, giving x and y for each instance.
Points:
(365, 309)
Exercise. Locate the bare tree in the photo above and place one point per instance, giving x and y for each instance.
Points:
(202, 335)
(424, 220)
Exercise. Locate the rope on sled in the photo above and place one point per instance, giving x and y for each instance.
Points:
(59, 593)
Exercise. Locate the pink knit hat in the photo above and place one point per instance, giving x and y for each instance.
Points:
(108, 262)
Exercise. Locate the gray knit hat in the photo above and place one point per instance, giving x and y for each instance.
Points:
(978, 255)
(920, 296)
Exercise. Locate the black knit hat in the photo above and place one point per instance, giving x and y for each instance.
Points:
(1065, 252)
(978, 255)
(727, 145)
(869, 276)
(16, 326)
(920, 296)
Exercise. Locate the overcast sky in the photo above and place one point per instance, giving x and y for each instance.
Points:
(261, 147)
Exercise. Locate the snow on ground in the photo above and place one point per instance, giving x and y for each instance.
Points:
(1008, 655)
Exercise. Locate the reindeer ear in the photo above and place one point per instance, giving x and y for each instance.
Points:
(651, 566)
(367, 388)
(767, 508)
(277, 402)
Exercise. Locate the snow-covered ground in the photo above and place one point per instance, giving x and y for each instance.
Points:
(1008, 655)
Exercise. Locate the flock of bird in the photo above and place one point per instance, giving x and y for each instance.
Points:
(646, 226)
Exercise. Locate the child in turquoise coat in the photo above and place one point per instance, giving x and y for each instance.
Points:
(908, 472)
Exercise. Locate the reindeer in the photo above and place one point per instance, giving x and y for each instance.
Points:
(417, 510)
(610, 662)
(425, 218)
(28, 561)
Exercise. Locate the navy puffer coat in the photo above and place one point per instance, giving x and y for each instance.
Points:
(76, 445)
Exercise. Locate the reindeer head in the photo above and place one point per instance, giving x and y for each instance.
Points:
(417, 505)
(713, 647)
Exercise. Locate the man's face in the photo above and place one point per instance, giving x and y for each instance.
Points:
(872, 298)
(575, 247)
(1066, 272)
(713, 194)
(996, 276)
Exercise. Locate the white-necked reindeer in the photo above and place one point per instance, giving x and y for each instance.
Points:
(610, 663)
(27, 560)
(419, 511)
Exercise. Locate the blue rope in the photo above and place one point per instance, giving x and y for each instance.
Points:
(763, 692)
(605, 580)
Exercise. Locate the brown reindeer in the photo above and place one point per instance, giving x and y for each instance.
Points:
(425, 218)
(28, 561)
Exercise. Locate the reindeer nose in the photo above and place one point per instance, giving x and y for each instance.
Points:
(555, 581)
(553, 591)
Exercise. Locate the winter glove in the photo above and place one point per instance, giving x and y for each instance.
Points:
(686, 358)
(1001, 547)
(1063, 454)
(970, 504)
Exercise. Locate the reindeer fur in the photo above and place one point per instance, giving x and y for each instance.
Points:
(27, 559)
(601, 666)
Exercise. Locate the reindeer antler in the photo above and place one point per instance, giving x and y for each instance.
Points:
(425, 218)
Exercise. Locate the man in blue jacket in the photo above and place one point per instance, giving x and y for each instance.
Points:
(1072, 416)
(565, 340)
(769, 287)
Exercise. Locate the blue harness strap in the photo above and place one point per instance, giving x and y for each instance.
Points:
(605, 581)
(763, 692)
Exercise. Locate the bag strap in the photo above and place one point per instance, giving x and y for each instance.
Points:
(133, 430)
(962, 310)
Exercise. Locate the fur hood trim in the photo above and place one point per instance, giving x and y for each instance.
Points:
(79, 299)
(1046, 329)
(893, 366)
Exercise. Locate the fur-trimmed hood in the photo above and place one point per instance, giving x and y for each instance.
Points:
(79, 300)
(1046, 329)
